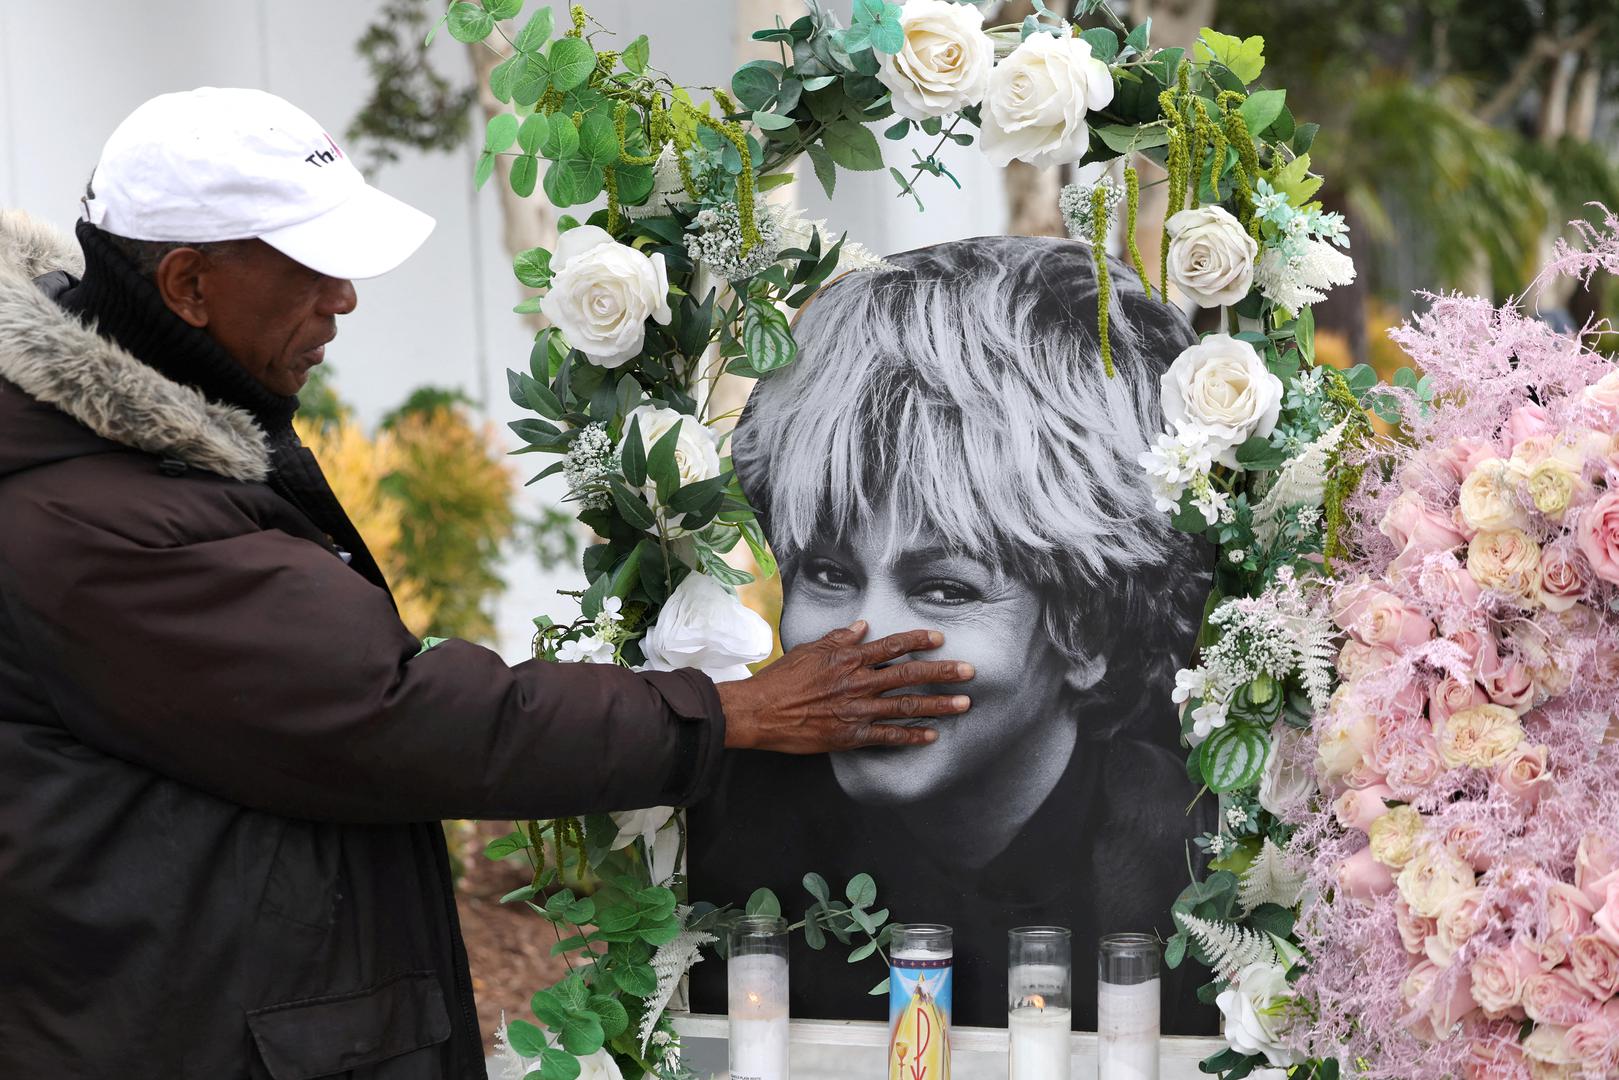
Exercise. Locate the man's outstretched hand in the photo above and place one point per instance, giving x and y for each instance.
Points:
(830, 695)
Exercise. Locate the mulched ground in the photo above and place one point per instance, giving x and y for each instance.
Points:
(508, 945)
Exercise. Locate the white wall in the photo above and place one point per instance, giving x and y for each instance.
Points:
(70, 72)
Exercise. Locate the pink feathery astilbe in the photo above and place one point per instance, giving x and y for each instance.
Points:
(1464, 852)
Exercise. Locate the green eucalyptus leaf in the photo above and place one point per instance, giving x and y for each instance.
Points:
(763, 902)
(582, 1035)
(638, 980)
(510, 844)
(503, 77)
(525, 1038)
(531, 78)
(469, 23)
(612, 1015)
(531, 136)
(756, 84)
(861, 891)
(862, 952)
(533, 268)
(525, 173)
(557, 1065)
(485, 169)
(560, 140)
(598, 139)
(504, 9)
(636, 55)
(572, 61)
(1104, 43)
(574, 181)
(773, 121)
(878, 990)
(536, 32)
(1139, 37)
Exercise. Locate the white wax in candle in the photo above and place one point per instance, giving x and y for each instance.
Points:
(1048, 981)
(758, 1007)
(1040, 1048)
(1127, 1030)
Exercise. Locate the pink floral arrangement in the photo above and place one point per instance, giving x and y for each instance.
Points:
(1464, 852)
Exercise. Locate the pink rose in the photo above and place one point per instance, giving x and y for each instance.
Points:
(1495, 1059)
(1598, 536)
(1565, 577)
(1528, 422)
(1479, 648)
(1417, 531)
(1454, 1007)
(1362, 877)
(1568, 915)
(1462, 456)
(1606, 917)
(1357, 660)
(1445, 997)
(1448, 589)
(1375, 616)
(1522, 774)
(1596, 1041)
(1498, 977)
(1553, 997)
(1604, 393)
(1508, 683)
(1357, 808)
(1451, 695)
(1467, 839)
(1459, 920)
(1595, 962)
(1597, 855)
(1415, 765)
(1414, 929)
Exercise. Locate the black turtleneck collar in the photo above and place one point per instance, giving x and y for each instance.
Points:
(127, 308)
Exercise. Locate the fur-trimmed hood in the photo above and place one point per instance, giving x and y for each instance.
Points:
(56, 360)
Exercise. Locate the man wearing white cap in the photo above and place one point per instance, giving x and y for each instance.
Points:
(222, 756)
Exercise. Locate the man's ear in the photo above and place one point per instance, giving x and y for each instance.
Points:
(179, 281)
(1085, 673)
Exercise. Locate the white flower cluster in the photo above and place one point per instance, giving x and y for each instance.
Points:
(1277, 633)
(589, 462)
(1075, 204)
(600, 646)
(718, 242)
(1303, 262)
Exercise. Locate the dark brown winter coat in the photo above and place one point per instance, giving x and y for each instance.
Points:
(222, 760)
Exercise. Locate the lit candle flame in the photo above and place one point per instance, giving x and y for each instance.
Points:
(753, 998)
(1037, 1001)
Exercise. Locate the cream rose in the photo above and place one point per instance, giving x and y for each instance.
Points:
(1395, 835)
(1257, 1007)
(1479, 737)
(1551, 485)
(603, 294)
(945, 63)
(1488, 501)
(697, 456)
(1038, 98)
(1506, 561)
(704, 626)
(1211, 256)
(1222, 388)
(1462, 917)
(1434, 876)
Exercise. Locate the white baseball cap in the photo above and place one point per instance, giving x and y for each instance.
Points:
(222, 164)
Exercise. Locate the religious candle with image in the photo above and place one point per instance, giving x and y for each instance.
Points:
(921, 961)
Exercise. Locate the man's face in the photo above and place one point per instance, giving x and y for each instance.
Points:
(273, 316)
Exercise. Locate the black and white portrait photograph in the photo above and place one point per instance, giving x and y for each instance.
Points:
(950, 454)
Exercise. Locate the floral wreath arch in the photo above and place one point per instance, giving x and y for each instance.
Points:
(687, 273)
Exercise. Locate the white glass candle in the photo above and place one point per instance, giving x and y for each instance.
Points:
(757, 992)
(1127, 1008)
(1039, 992)
(1040, 1045)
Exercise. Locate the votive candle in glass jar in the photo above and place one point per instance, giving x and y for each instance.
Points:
(1127, 1007)
(921, 962)
(1039, 1002)
(757, 984)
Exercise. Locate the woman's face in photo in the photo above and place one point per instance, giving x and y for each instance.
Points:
(988, 620)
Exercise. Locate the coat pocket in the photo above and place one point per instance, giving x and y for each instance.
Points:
(318, 1037)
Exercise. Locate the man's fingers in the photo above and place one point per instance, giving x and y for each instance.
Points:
(848, 635)
(895, 646)
(919, 673)
(907, 706)
(891, 735)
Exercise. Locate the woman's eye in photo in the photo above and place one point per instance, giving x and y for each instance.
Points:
(827, 574)
(946, 591)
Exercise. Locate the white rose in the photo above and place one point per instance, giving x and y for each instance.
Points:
(603, 293)
(705, 626)
(1038, 98)
(1288, 779)
(656, 826)
(945, 62)
(1433, 877)
(697, 455)
(1220, 386)
(1211, 256)
(1256, 1008)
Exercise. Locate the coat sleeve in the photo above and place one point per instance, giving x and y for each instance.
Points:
(263, 670)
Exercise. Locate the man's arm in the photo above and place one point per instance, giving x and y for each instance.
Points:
(261, 669)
